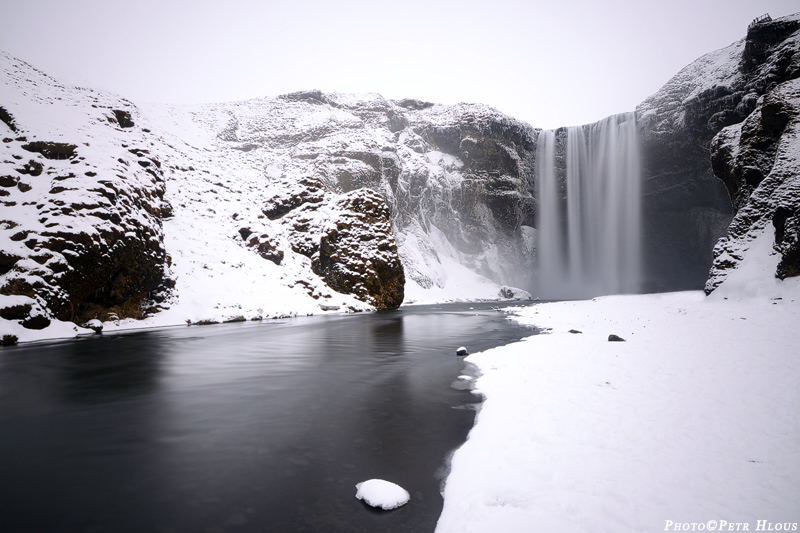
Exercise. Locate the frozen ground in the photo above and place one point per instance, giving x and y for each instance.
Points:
(696, 417)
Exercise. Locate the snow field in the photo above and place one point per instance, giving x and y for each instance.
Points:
(695, 417)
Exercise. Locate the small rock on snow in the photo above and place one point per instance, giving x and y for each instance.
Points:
(462, 351)
(383, 494)
(94, 325)
(615, 338)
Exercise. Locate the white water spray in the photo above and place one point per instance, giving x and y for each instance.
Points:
(589, 210)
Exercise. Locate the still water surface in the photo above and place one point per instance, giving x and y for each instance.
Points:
(249, 427)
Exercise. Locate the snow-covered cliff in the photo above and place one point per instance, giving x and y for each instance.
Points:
(81, 203)
(300, 204)
(719, 140)
(313, 202)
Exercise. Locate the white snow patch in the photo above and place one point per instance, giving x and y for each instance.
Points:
(695, 418)
(459, 284)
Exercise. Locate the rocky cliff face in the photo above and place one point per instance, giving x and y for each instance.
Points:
(457, 179)
(82, 200)
(115, 212)
(758, 159)
(690, 129)
(314, 201)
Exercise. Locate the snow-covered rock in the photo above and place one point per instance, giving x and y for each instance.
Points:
(383, 494)
(82, 196)
(311, 202)
(514, 293)
(758, 159)
(209, 213)
(720, 118)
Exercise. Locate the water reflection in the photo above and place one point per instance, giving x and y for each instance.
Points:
(240, 427)
(115, 368)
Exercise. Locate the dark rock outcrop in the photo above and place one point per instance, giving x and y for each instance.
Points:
(266, 248)
(124, 118)
(357, 251)
(787, 241)
(294, 194)
(495, 199)
(7, 119)
(85, 239)
(758, 159)
(761, 161)
(717, 118)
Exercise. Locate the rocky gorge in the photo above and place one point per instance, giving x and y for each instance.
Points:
(314, 202)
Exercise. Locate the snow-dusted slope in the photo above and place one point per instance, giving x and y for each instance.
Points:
(267, 165)
(81, 199)
(262, 208)
(415, 154)
(156, 215)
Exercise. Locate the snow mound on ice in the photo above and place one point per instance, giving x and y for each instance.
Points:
(383, 494)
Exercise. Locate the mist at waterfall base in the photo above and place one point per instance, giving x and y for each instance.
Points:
(589, 215)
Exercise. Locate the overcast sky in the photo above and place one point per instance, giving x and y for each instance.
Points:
(554, 63)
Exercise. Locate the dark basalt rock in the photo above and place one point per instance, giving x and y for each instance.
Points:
(787, 241)
(705, 152)
(124, 118)
(51, 150)
(762, 40)
(7, 119)
(744, 163)
(757, 161)
(264, 246)
(244, 233)
(7, 261)
(16, 312)
(358, 254)
(410, 103)
(109, 268)
(313, 96)
(293, 195)
(36, 322)
(8, 181)
(9, 340)
(615, 338)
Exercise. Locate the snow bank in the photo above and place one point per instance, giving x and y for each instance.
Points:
(695, 418)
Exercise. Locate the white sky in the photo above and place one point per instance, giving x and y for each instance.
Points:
(554, 63)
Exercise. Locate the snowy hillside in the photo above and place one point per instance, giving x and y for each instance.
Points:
(143, 215)
(410, 152)
(158, 215)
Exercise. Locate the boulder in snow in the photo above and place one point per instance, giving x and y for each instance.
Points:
(9, 340)
(513, 293)
(95, 325)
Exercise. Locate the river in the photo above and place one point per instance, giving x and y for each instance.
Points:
(246, 427)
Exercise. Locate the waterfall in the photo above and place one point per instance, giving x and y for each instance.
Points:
(588, 184)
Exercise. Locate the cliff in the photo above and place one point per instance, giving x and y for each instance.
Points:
(299, 204)
(313, 202)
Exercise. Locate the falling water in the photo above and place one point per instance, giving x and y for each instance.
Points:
(589, 210)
